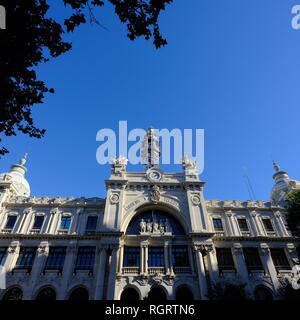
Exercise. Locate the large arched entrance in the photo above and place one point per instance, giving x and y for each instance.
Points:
(157, 294)
(46, 294)
(184, 294)
(130, 294)
(79, 294)
(262, 293)
(14, 293)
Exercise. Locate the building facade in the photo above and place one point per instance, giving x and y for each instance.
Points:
(153, 237)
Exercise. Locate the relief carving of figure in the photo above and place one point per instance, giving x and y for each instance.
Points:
(155, 227)
(142, 226)
(149, 226)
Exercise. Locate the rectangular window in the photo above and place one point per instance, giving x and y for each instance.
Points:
(131, 257)
(2, 255)
(180, 256)
(225, 260)
(252, 259)
(218, 225)
(26, 257)
(56, 258)
(279, 259)
(65, 222)
(156, 257)
(38, 222)
(243, 225)
(268, 225)
(91, 223)
(85, 258)
(11, 220)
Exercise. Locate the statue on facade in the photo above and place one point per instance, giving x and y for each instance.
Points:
(142, 226)
(189, 166)
(161, 227)
(155, 194)
(119, 165)
(149, 226)
(167, 226)
(155, 227)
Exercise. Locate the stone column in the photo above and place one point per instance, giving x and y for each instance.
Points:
(191, 259)
(268, 264)
(253, 223)
(258, 225)
(55, 221)
(75, 221)
(67, 271)
(240, 263)
(3, 215)
(144, 257)
(281, 224)
(100, 272)
(142, 271)
(112, 274)
(12, 256)
(231, 222)
(212, 263)
(229, 230)
(121, 257)
(201, 272)
(26, 220)
(38, 265)
(170, 259)
(166, 256)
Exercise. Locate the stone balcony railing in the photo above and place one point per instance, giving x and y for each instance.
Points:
(156, 270)
(6, 230)
(130, 270)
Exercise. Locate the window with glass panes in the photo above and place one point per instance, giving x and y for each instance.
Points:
(38, 222)
(65, 222)
(279, 259)
(156, 257)
(11, 220)
(26, 257)
(268, 225)
(85, 258)
(91, 223)
(225, 259)
(218, 225)
(243, 225)
(131, 257)
(252, 259)
(180, 256)
(56, 258)
(2, 255)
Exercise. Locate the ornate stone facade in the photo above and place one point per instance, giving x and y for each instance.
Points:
(154, 230)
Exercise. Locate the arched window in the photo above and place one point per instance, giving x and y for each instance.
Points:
(184, 294)
(79, 294)
(155, 221)
(130, 294)
(46, 294)
(14, 293)
(262, 293)
(157, 294)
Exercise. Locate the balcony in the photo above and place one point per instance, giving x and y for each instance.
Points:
(35, 231)
(63, 231)
(156, 270)
(6, 230)
(130, 270)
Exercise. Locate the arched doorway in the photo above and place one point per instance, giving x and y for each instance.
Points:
(79, 294)
(14, 293)
(262, 293)
(184, 294)
(46, 294)
(130, 294)
(157, 294)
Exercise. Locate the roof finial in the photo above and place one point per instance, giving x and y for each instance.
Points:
(150, 149)
(275, 166)
(24, 159)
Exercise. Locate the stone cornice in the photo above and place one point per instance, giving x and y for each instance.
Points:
(240, 204)
(47, 202)
(256, 239)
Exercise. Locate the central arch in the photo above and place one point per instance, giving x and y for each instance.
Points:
(157, 294)
(130, 294)
(160, 206)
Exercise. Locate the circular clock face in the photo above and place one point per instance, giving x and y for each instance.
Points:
(155, 175)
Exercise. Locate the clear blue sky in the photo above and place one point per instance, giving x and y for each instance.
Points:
(231, 67)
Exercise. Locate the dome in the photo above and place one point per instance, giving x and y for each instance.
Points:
(16, 177)
(283, 185)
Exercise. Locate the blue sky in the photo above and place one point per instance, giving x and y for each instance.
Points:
(230, 68)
